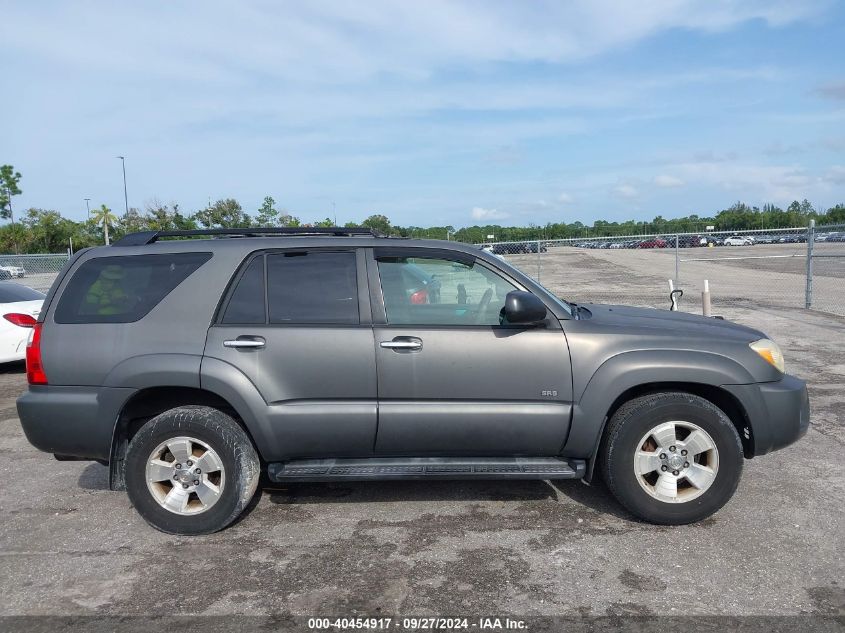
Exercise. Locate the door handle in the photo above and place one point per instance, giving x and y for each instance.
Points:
(245, 343)
(402, 344)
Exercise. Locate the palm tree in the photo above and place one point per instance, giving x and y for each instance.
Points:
(104, 216)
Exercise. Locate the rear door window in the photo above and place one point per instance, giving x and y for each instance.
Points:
(314, 287)
(123, 289)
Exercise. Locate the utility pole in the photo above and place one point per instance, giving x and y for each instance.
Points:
(125, 197)
(88, 207)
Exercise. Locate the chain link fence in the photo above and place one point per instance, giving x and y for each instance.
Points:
(797, 267)
(35, 271)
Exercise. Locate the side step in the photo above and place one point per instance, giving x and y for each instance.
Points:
(379, 468)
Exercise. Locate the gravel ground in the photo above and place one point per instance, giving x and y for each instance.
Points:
(68, 545)
(740, 276)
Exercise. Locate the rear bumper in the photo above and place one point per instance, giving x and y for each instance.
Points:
(778, 412)
(74, 421)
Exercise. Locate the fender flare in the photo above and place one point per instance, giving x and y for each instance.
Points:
(150, 371)
(628, 370)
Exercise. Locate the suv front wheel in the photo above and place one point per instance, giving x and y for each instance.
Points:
(671, 458)
(191, 470)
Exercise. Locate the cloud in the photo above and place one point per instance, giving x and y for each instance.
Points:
(835, 174)
(763, 182)
(323, 40)
(667, 182)
(482, 214)
(626, 191)
(832, 91)
(386, 103)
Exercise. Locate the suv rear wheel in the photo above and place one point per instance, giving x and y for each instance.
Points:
(671, 458)
(191, 470)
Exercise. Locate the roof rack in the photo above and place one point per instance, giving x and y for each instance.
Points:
(142, 238)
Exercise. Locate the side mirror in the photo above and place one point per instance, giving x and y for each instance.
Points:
(524, 308)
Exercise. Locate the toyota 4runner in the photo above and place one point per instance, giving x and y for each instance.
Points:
(192, 367)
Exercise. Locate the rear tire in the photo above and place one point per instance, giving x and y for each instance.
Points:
(191, 470)
(643, 465)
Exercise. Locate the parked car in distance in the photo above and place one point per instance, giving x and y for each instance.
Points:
(738, 240)
(656, 242)
(532, 247)
(193, 366)
(19, 309)
(10, 271)
(766, 239)
(836, 237)
(690, 241)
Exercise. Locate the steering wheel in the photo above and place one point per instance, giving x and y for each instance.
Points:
(483, 304)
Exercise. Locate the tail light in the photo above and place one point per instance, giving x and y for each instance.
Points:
(23, 320)
(420, 297)
(34, 369)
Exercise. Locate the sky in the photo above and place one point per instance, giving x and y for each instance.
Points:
(431, 113)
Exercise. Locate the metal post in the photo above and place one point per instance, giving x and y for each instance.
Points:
(811, 238)
(538, 260)
(677, 260)
(705, 299)
(125, 197)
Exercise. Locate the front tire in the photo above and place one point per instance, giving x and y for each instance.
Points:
(671, 458)
(191, 470)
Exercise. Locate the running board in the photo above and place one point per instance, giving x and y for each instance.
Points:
(379, 468)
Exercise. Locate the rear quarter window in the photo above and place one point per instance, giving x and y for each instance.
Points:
(123, 289)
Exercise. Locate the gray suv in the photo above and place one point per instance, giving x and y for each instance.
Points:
(193, 367)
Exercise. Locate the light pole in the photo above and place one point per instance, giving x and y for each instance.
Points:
(125, 197)
(88, 207)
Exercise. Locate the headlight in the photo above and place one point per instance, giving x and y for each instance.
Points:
(770, 351)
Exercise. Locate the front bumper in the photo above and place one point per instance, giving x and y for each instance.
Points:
(778, 412)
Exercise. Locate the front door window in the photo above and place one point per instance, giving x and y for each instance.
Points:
(431, 291)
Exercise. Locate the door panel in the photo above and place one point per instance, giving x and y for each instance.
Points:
(306, 348)
(319, 385)
(473, 391)
(454, 378)
(471, 427)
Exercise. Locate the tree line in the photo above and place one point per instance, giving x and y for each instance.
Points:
(36, 230)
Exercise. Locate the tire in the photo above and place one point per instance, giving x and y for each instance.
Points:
(211, 440)
(716, 471)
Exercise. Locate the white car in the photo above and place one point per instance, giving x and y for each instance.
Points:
(736, 240)
(9, 271)
(19, 309)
